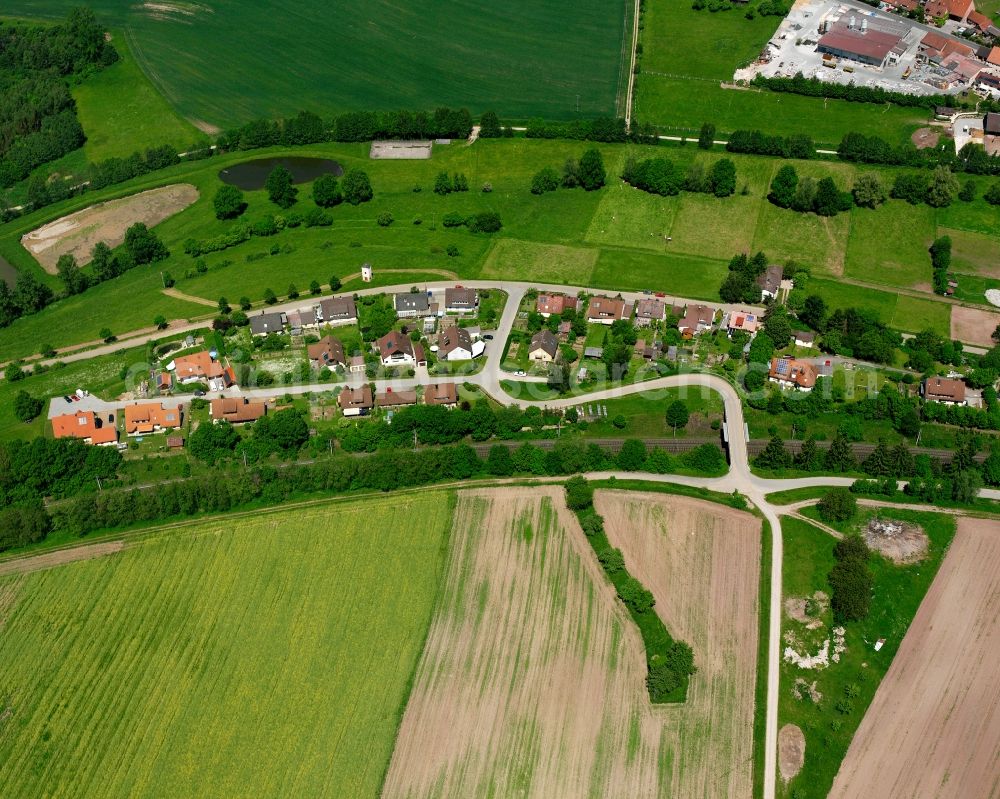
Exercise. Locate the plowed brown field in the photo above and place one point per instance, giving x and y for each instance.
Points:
(933, 729)
(702, 562)
(532, 679)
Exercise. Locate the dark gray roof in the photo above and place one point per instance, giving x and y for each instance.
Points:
(417, 302)
(265, 323)
(545, 339)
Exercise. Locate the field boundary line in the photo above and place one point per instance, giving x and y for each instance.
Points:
(631, 68)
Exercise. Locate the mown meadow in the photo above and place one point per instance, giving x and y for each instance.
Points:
(269, 654)
(616, 238)
(845, 689)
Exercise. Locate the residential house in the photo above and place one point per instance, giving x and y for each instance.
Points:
(396, 399)
(328, 352)
(697, 318)
(549, 304)
(236, 410)
(412, 304)
(151, 417)
(544, 346)
(788, 372)
(743, 321)
(441, 394)
(357, 364)
(939, 389)
(268, 322)
(804, 338)
(605, 310)
(650, 310)
(87, 426)
(455, 344)
(356, 401)
(770, 283)
(461, 300)
(396, 349)
(201, 367)
(338, 311)
(302, 319)
(985, 25)
(958, 10)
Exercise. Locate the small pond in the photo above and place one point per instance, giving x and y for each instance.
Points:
(250, 175)
(8, 273)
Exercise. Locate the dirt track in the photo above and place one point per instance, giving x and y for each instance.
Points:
(933, 729)
(702, 563)
(531, 682)
(107, 222)
(59, 557)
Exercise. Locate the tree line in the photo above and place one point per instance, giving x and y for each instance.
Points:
(38, 120)
(669, 663)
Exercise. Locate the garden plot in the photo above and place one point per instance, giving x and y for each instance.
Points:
(933, 728)
(105, 222)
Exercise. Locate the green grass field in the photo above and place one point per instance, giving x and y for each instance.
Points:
(269, 656)
(225, 62)
(122, 112)
(612, 239)
(898, 592)
(687, 54)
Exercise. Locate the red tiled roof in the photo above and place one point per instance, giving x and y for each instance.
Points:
(84, 425)
(148, 417)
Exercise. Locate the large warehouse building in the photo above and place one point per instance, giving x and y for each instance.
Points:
(856, 41)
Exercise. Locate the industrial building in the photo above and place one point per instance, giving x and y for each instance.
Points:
(858, 40)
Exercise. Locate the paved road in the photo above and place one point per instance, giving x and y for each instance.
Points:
(739, 478)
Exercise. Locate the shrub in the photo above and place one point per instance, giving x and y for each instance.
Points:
(384, 219)
(484, 222)
(837, 505)
(579, 494)
(229, 202)
(545, 180)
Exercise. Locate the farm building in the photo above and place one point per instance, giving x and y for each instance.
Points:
(544, 346)
(87, 426)
(441, 394)
(939, 389)
(236, 410)
(356, 401)
(328, 351)
(790, 373)
(151, 417)
(264, 323)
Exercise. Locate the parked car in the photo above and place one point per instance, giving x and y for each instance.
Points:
(199, 393)
(488, 337)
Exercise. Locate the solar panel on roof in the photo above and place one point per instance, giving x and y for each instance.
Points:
(782, 368)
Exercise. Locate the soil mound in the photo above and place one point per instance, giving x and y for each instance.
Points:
(791, 751)
(897, 541)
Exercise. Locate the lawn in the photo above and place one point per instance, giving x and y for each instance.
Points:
(172, 669)
(611, 239)
(122, 112)
(645, 414)
(239, 61)
(888, 245)
(830, 722)
(973, 253)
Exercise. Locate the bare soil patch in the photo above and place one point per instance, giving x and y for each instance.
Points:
(791, 751)
(973, 325)
(807, 610)
(107, 222)
(531, 680)
(924, 138)
(933, 728)
(48, 560)
(702, 563)
(900, 542)
(401, 150)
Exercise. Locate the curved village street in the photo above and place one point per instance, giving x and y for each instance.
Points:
(489, 379)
